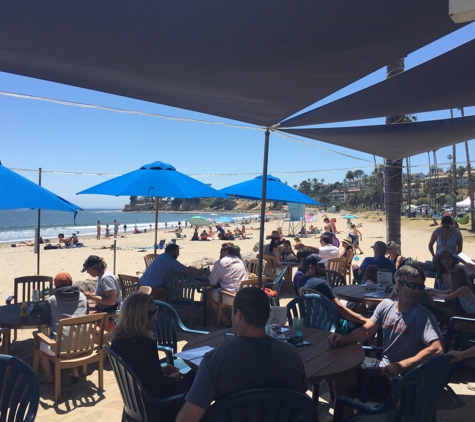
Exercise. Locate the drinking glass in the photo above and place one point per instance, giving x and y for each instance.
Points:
(298, 324)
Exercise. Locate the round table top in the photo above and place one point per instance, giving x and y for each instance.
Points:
(10, 317)
(356, 293)
(321, 362)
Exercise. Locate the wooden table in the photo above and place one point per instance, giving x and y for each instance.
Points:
(356, 293)
(322, 362)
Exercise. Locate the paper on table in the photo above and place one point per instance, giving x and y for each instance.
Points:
(193, 354)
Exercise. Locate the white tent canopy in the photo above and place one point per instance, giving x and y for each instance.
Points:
(464, 203)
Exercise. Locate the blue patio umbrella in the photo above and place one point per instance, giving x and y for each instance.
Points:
(275, 191)
(18, 192)
(157, 179)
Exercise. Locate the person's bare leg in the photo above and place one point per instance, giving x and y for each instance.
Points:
(74, 372)
(215, 307)
(346, 386)
(47, 376)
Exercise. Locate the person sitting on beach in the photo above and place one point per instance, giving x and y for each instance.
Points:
(393, 254)
(251, 360)
(195, 235)
(108, 296)
(229, 235)
(65, 302)
(134, 341)
(411, 335)
(204, 235)
(379, 259)
(65, 240)
(210, 232)
(228, 272)
(165, 264)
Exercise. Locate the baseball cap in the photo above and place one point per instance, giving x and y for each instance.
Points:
(314, 260)
(90, 262)
(379, 246)
(391, 244)
(63, 279)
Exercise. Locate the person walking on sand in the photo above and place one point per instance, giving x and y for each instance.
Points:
(116, 228)
(125, 228)
(108, 232)
(355, 236)
(98, 230)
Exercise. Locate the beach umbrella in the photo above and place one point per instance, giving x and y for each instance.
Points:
(199, 221)
(275, 191)
(224, 220)
(158, 179)
(310, 218)
(18, 192)
(350, 216)
(423, 205)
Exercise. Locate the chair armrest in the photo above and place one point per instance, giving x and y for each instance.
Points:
(44, 338)
(9, 300)
(189, 330)
(341, 402)
(169, 401)
(168, 353)
(373, 349)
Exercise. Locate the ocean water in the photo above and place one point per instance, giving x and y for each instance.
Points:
(19, 225)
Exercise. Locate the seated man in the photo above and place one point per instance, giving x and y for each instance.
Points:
(301, 255)
(228, 272)
(165, 264)
(327, 250)
(379, 258)
(251, 360)
(410, 333)
(315, 279)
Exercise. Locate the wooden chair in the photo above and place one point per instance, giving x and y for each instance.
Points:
(226, 299)
(128, 284)
(265, 404)
(145, 289)
(79, 341)
(149, 258)
(271, 265)
(19, 392)
(23, 290)
(337, 264)
(253, 266)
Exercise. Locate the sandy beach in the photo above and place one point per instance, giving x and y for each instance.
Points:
(82, 400)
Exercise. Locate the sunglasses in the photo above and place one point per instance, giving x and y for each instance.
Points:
(151, 314)
(413, 285)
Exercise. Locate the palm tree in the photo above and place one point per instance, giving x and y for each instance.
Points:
(350, 175)
(358, 174)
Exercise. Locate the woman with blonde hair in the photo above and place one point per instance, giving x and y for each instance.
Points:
(133, 340)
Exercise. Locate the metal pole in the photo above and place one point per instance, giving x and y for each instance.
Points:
(470, 183)
(156, 228)
(454, 174)
(115, 253)
(263, 207)
(37, 238)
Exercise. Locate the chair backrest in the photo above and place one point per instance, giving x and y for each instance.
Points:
(271, 265)
(276, 285)
(335, 278)
(414, 398)
(181, 286)
(148, 259)
(20, 391)
(80, 335)
(337, 264)
(263, 405)
(24, 286)
(161, 244)
(128, 284)
(307, 291)
(253, 266)
(5, 340)
(165, 325)
(251, 282)
(317, 310)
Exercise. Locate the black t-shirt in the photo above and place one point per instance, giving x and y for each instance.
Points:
(321, 285)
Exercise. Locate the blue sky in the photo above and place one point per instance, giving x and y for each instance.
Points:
(72, 139)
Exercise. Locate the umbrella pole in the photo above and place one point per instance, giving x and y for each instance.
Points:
(156, 228)
(37, 239)
(263, 207)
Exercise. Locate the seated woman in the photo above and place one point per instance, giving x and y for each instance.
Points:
(348, 252)
(195, 235)
(273, 249)
(65, 240)
(393, 253)
(210, 232)
(444, 263)
(204, 235)
(287, 251)
(65, 302)
(461, 300)
(133, 340)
